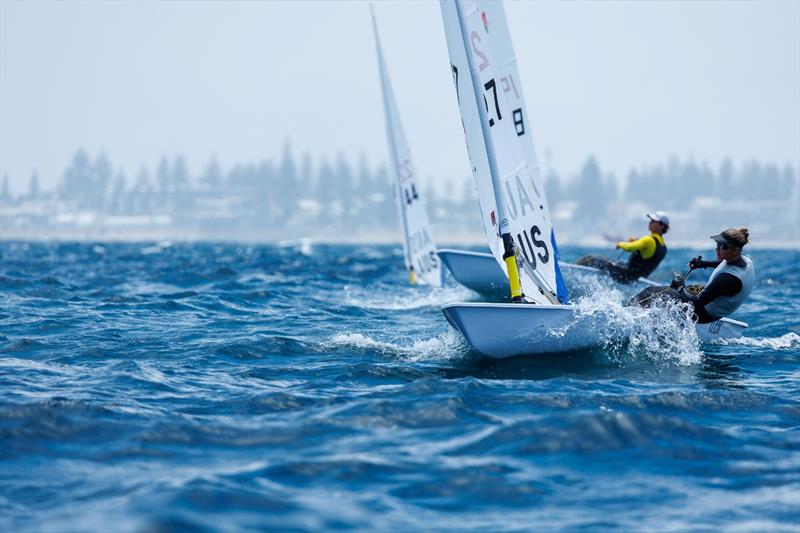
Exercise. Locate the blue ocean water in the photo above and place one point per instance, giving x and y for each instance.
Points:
(163, 387)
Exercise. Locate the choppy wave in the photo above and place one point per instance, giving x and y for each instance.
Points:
(407, 299)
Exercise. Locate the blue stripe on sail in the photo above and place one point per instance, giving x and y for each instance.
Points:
(561, 287)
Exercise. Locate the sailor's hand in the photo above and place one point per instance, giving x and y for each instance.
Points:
(695, 262)
(682, 294)
(677, 283)
(631, 239)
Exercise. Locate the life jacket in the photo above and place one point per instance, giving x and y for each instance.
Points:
(725, 305)
(641, 267)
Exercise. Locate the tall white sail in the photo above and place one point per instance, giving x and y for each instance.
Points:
(510, 199)
(420, 251)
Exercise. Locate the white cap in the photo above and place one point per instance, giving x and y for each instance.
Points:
(659, 216)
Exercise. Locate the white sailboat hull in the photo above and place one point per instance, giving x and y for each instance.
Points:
(481, 273)
(475, 270)
(507, 330)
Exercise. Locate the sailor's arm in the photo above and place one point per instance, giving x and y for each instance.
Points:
(697, 262)
(645, 245)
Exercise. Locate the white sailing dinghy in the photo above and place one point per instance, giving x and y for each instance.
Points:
(419, 250)
(513, 205)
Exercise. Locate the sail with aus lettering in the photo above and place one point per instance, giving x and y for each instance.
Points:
(512, 203)
(419, 250)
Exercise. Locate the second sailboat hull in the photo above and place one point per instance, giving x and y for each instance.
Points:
(475, 270)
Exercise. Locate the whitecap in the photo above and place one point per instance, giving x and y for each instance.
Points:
(141, 287)
(303, 245)
(150, 250)
(447, 346)
(787, 341)
(260, 276)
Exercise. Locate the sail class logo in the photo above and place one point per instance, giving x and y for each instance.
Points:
(485, 21)
(494, 218)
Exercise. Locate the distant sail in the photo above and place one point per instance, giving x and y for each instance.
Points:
(418, 245)
(503, 169)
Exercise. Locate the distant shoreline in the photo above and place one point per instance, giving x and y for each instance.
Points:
(462, 239)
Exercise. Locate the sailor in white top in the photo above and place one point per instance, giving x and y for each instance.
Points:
(730, 283)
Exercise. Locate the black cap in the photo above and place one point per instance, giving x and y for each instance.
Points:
(724, 238)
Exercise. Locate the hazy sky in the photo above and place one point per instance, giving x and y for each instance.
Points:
(629, 82)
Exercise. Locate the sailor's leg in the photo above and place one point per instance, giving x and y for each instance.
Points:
(593, 261)
(650, 295)
(586, 260)
(618, 272)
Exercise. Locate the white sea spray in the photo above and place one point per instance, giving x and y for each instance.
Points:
(663, 334)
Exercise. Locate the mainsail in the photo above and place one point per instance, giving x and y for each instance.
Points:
(418, 246)
(505, 170)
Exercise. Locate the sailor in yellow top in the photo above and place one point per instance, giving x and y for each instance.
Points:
(646, 252)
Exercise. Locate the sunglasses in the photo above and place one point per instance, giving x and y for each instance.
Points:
(724, 246)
